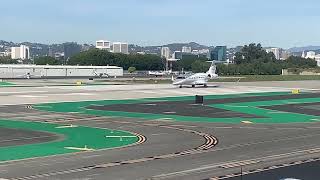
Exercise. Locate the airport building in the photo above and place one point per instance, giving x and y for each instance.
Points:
(275, 51)
(186, 49)
(219, 53)
(177, 55)
(311, 55)
(48, 71)
(165, 52)
(70, 49)
(22, 52)
(103, 45)
(119, 47)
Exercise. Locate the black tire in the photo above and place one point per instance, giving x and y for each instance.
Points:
(193, 86)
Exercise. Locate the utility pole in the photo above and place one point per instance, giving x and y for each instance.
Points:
(241, 170)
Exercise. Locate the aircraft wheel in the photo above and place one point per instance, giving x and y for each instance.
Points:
(205, 85)
(180, 86)
(193, 86)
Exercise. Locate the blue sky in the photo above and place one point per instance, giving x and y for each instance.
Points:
(282, 23)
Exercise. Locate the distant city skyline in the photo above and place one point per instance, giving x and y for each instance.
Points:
(285, 23)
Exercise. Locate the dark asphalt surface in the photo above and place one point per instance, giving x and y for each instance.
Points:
(304, 108)
(174, 108)
(252, 145)
(188, 108)
(15, 137)
(307, 171)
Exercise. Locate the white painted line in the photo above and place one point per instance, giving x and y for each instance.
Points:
(80, 149)
(246, 122)
(157, 134)
(236, 106)
(170, 112)
(223, 127)
(30, 96)
(121, 136)
(277, 112)
(20, 92)
(81, 94)
(67, 126)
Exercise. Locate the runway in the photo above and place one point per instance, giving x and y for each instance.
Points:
(171, 150)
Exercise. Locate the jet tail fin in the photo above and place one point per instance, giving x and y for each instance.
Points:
(212, 72)
(212, 69)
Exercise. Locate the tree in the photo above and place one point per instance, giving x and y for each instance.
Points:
(46, 60)
(98, 57)
(200, 66)
(8, 60)
(253, 52)
(131, 69)
(299, 62)
(187, 61)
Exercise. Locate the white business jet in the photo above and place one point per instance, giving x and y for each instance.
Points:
(100, 75)
(28, 76)
(196, 79)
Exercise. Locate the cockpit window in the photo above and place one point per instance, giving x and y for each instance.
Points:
(181, 77)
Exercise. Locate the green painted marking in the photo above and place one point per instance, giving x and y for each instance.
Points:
(271, 116)
(5, 84)
(80, 136)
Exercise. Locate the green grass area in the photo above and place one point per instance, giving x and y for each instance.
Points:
(254, 108)
(4, 84)
(252, 78)
(79, 137)
(236, 78)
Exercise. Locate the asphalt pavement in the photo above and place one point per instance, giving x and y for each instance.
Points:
(173, 150)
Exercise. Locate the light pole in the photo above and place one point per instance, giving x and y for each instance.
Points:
(241, 171)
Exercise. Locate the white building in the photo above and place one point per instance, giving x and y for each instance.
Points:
(317, 58)
(15, 53)
(165, 52)
(195, 52)
(186, 49)
(204, 51)
(311, 55)
(43, 71)
(119, 47)
(275, 51)
(22, 52)
(141, 53)
(177, 55)
(103, 44)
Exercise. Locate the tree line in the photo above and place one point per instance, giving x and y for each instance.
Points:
(96, 57)
(8, 60)
(252, 59)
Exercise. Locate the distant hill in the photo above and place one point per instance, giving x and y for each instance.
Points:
(173, 47)
(178, 46)
(306, 48)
